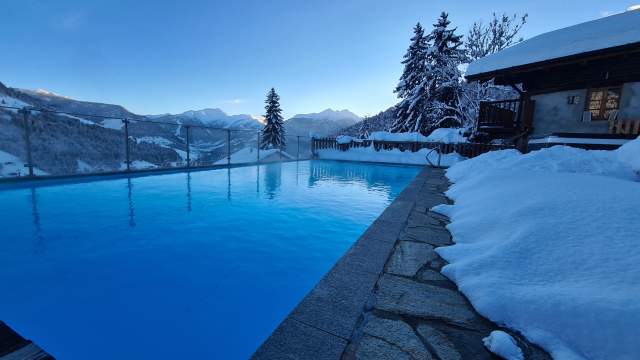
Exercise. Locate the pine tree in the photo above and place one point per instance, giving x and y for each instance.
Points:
(273, 133)
(433, 101)
(412, 75)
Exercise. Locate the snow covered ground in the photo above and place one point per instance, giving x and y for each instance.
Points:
(6, 100)
(11, 166)
(443, 135)
(546, 243)
(115, 124)
(396, 156)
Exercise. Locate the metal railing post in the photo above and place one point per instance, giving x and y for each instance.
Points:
(27, 137)
(258, 147)
(298, 150)
(127, 150)
(228, 147)
(188, 128)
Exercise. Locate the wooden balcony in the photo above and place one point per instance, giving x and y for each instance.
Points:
(506, 118)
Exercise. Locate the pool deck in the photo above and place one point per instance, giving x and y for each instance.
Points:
(386, 299)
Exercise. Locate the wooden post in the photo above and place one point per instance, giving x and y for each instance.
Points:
(298, 150)
(27, 138)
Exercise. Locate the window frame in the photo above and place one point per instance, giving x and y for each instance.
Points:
(603, 102)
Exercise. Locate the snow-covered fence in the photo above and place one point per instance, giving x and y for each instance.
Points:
(466, 149)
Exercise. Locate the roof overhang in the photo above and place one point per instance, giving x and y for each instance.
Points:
(513, 75)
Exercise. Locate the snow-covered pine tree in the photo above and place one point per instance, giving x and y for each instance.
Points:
(412, 75)
(273, 133)
(434, 103)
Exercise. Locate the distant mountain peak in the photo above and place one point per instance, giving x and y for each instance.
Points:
(205, 113)
(330, 114)
(44, 92)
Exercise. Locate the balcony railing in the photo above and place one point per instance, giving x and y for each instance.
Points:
(505, 116)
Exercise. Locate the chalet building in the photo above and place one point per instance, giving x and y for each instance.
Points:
(578, 85)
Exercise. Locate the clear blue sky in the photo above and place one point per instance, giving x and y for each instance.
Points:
(170, 56)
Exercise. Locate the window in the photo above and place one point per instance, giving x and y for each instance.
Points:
(602, 101)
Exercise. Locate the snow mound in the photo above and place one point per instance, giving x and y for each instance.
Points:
(556, 159)
(394, 156)
(447, 136)
(546, 243)
(503, 345)
(444, 135)
(629, 154)
(345, 139)
(11, 165)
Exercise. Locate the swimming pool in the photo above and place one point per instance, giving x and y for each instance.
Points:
(186, 265)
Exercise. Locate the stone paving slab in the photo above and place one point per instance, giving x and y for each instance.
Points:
(404, 296)
(390, 339)
(337, 302)
(295, 340)
(409, 257)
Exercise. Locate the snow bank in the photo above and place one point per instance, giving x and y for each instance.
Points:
(11, 165)
(138, 165)
(114, 124)
(345, 139)
(7, 100)
(445, 135)
(547, 244)
(396, 156)
(503, 345)
(629, 154)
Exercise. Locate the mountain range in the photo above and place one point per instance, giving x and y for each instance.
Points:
(90, 137)
(324, 123)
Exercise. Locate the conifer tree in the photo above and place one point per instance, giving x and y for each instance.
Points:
(412, 75)
(273, 133)
(434, 102)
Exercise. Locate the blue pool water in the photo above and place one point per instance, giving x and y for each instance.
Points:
(202, 265)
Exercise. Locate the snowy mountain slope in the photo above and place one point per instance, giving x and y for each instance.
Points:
(379, 122)
(330, 115)
(211, 117)
(48, 100)
(324, 123)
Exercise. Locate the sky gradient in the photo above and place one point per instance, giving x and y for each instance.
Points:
(171, 56)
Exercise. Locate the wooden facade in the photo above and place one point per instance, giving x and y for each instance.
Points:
(596, 72)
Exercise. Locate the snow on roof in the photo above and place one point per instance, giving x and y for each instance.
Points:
(607, 32)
